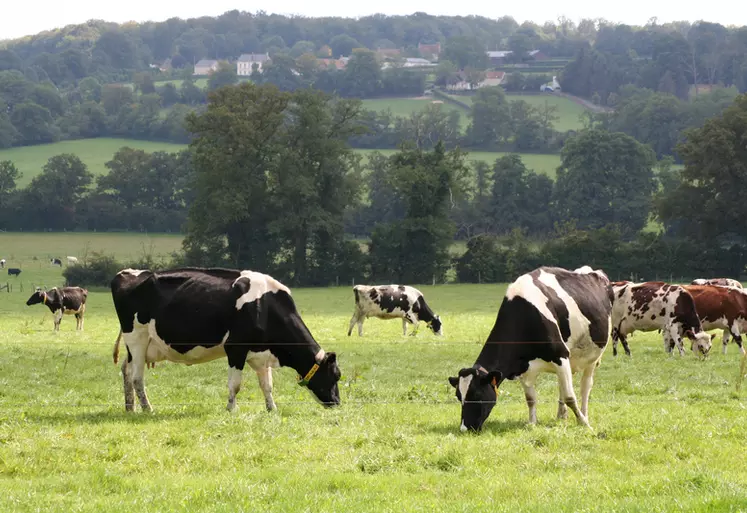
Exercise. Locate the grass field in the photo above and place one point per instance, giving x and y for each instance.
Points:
(405, 106)
(668, 431)
(21, 249)
(94, 152)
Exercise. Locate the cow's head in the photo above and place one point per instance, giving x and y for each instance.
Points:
(477, 391)
(37, 297)
(700, 342)
(436, 325)
(323, 382)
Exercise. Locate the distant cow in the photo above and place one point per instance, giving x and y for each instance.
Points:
(391, 302)
(13, 271)
(55, 261)
(194, 316)
(67, 300)
(2, 263)
(719, 282)
(656, 305)
(551, 320)
(722, 308)
(71, 260)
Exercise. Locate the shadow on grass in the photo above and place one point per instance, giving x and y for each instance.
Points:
(110, 415)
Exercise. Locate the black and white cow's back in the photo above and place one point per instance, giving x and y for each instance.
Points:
(196, 315)
(393, 302)
(550, 320)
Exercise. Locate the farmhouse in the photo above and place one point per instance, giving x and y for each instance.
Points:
(338, 64)
(492, 78)
(246, 62)
(430, 51)
(205, 67)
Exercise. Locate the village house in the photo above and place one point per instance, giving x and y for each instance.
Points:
(246, 62)
(430, 51)
(205, 67)
(338, 64)
(492, 78)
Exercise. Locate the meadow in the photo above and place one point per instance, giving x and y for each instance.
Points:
(96, 152)
(404, 107)
(668, 431)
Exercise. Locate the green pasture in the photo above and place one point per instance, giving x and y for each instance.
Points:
(668, 431)
(404, 107)
(94, 152)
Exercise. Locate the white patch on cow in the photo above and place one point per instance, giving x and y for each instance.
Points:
(260, 284)
(464, 383)
(158, 349)
(320, 355)
(262, 360)
(72, 260)
(524, 287)
(579, 324)
(134, 272)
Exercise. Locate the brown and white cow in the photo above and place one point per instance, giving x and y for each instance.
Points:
(723, 308)
(656, 305)
(720, 282)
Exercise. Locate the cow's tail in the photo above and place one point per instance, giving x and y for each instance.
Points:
(355, 293)
(115, 353)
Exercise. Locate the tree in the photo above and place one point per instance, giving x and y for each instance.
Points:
(144, 83)
(114, 97)
(427, 127)
(34, 124)
(605, 178)
(465, 52)
(706, 194)
(225, 75)
(362, 76)
(428, 183)
(491, 118)
(342, 45)
(126, 177)
(9, 175)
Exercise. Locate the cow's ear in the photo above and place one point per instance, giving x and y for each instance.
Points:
(713, 335)
(493, 377)
(689, 334)
(330, 358)
(454, 381)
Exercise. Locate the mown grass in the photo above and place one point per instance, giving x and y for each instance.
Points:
(404, 107)
(93, 152)
(668, 435)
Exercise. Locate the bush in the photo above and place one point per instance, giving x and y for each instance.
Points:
(96, 271)
(484, 261)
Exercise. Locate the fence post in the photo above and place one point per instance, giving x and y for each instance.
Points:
(434, 280)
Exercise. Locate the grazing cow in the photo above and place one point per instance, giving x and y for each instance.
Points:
(2, 263)
(55, 261)
(391, 302)
(722, 308)
(67, 300)
(195, 315)
(71, 260)
(719, 282)
(551, 320)
(656, 305)
(13, 271)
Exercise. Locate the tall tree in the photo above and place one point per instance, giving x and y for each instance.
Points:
(605, 178)
(491, 118)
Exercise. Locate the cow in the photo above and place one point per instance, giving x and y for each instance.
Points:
(195, 315)
(2, 263)
(71, 260)
(13, 271)
(550, 320)
(55, 261)
(724, 308)
(720, 282)
(61, 301)
(656, 305)
(391, 302)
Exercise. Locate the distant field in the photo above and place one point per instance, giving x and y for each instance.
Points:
(541, 163)
(406, 106)
(94, 152)
(20, 250)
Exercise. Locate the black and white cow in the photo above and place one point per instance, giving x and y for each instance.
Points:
(13, 271)
(551, 320)
(2, 263)
(61, 301)
(195, 315)
(55, 261)
(655, 305)
(719, 282)
(392, 302)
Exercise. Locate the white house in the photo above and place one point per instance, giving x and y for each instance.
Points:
(205, 67)
(246, 62)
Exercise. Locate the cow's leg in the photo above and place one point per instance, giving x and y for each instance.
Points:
(79, 322)
(565, 384)
(624, 341)
(137, 345)
(562, 408)
(236, 353)
(58, 319)
(234, 385)
(531, 396)
(587, 381)
(129, 390)
(353, 321)
(264, 375)
(725, 339)
(737, 334)
(676, 336)
(361, 318)
(415, 324)
(615, 339)
(404, 326)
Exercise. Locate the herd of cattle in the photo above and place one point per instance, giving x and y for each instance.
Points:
(15, 271)
(550, 320)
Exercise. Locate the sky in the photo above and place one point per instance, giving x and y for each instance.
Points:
(21, 18)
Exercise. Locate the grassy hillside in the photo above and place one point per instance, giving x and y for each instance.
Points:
(94, 152)
(668, 431)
